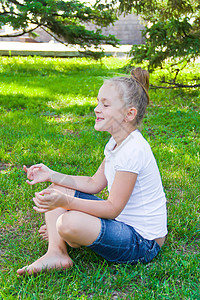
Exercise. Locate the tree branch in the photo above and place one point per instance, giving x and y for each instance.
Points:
(9, 13)
(20, 34)
(16, 2)
(177, 71)
(51, 34)
(86, 53)
(174, 86)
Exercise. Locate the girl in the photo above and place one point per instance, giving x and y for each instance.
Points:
(131, 225)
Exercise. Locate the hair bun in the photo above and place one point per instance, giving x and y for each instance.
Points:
(142, 77)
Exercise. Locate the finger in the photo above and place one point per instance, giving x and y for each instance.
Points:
(36, 166)
(40, 204)
(30, 174)
(43, 228)
(44, 195)
(25, 168)
(48, 197)
(40, 210)
(46, 191)
(31, 182)
(39, 196)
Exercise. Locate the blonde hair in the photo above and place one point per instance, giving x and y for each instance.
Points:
(134, 91)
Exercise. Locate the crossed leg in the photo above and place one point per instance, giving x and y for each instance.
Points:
(74, 227)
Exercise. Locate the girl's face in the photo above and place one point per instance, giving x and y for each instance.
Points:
(110, 111)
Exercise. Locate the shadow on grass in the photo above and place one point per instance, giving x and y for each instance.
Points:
(52, 94)
(54, 135)
(38, 66)
(44, 105)
(38, 93)
(20, 101)
(61, 141)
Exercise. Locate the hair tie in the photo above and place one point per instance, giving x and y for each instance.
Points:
(133, 77)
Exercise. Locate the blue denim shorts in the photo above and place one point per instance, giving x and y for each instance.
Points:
(119, 242)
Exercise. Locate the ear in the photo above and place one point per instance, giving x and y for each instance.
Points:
(131, 114)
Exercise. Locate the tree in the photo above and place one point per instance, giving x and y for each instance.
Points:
(64, 20)
(172, 32)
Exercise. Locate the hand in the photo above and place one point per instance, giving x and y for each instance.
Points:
(38, 173)
(50, 199)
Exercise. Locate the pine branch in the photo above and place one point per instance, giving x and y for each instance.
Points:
(20, 34)
(95, 55)
(16, 2)
(56, 38)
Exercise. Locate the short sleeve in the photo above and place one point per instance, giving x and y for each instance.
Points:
(131, 160)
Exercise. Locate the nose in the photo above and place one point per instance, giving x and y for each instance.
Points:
(97, 108)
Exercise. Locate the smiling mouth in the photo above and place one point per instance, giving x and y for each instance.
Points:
(99, 119)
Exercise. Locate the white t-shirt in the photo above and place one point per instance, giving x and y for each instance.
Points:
(146, 208)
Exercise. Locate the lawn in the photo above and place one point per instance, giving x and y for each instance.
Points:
(46, 115)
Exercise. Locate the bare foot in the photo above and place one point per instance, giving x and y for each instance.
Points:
(51, 260)
(43, 232)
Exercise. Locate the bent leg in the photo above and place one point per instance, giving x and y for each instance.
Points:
(78, 228)
(56, 256)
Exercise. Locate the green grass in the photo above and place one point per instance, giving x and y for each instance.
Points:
(46, 115)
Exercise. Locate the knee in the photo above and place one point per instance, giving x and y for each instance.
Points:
(67, 224)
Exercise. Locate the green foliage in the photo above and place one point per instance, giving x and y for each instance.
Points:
(62, 19)
(171, 39)
(46, 115)
(172, 31)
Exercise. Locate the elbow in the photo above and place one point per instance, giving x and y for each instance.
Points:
(95, 190)
(113, 215)
(92, 187)
(113, 212)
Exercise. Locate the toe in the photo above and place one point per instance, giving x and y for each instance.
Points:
(43, 228)
(22, 270)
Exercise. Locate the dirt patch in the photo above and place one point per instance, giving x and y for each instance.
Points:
(4, 166)
(71, 132)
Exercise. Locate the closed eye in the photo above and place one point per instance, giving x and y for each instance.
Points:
(103, 102)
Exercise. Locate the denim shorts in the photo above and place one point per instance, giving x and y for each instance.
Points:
(119, 242)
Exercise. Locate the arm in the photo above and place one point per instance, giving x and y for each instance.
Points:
(93, 185)
(120, 193)
(86, 184)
